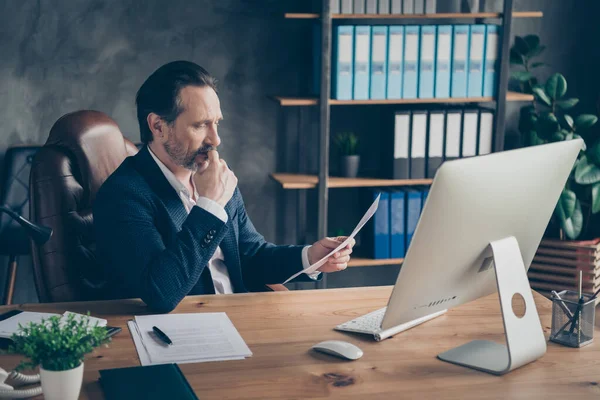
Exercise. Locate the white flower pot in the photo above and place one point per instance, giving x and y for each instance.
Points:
(62, 385)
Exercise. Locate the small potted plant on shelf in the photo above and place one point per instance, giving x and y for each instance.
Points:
(58, 346)
(347, 145)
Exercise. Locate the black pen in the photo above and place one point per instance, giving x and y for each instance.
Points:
(162, 336)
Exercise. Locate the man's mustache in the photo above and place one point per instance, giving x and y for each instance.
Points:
(204, 150)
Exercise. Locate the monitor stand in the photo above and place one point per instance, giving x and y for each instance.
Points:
(525, 341)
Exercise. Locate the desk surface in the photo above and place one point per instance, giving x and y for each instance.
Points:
(280, 328)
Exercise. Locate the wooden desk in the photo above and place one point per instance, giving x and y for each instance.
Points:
(280, 328)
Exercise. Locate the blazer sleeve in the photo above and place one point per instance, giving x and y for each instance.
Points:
(133, 252)
(264, 263)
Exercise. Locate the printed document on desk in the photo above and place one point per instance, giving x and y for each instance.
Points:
(196, 338)
(370, 212)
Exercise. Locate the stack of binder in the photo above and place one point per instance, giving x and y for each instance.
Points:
(383, 6)
(424, 139)
(410, 62)
(557, 263)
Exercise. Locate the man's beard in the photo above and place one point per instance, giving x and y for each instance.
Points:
(185, 159)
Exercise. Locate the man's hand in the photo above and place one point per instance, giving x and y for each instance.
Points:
(337, 261)
(216, 182)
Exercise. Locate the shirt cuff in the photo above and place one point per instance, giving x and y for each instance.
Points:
(306, 264)
(212, 207)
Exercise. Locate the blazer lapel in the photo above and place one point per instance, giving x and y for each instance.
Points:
(230, 248)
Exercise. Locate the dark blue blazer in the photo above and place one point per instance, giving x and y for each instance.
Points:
(151, 248)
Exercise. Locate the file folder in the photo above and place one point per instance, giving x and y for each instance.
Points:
(379, 40)
(435, 146)
(469, 141)
(376, 237)
(395, 62)
(397, 212)
(427, 62)
(410, 82)
(430, 6)
(476, 57)
(419, 7)
(413, 212)
(396, 6)
(408, 6)
(486, 129)
(362, 53)
(453, 129)
(460, 58)
(346, 7)
(334, 6)
(491, 61)
(442, 63)
(418, 145)
(401, 145)
(371, 6)
(383, 7)
(343, 55)
(316, 70)
(359, 7)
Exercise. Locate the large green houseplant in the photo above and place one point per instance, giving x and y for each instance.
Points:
(550, 118)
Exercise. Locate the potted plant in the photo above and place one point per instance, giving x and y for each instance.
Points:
(347, 145)
(58, 345)
(550, 118)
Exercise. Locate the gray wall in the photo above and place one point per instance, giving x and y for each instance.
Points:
(59, 56)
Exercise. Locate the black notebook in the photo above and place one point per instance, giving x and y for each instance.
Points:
(156, 382)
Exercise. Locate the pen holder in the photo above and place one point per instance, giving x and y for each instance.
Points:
(572, 322)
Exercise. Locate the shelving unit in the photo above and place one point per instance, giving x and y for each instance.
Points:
(322, 181)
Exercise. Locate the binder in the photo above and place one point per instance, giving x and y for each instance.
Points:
(334, 6)
(469, 141)
(486, 130)
(400, 169)
(413, 212)
(408, 6)
(491, 61)
(435, 151)
(379, 39)
(343, 55)
(346, 7)
(460, 58)
(383, 7)
(396, 6)
(418, 145)
(397, 212)
(316, 59)
(442, 62)
(430, 6)
(362, 53)
(395, 62)
(371, 6)
(476, 53)
(453, 129)
(427, 62)
(359, 6)
(419, 7)
(410, 79)
(377, 232)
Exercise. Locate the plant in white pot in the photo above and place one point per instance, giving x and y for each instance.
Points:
(58, 346)
(347, 145)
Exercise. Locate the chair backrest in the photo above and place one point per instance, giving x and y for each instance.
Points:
(15, 195)
(81, 152)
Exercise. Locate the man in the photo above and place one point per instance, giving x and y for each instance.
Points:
(170, 221)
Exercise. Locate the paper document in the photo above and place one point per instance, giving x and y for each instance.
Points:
(196, 338)
(370, 212)
(11, 325)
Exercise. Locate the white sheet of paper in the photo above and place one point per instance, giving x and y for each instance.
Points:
(93, 320)
(370, 212)
(11, 325)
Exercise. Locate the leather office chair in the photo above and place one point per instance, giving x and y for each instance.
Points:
(14, 241)
(83, 149)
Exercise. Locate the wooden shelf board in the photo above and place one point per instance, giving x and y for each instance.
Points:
(298, 181)
(516, 14)
(308, 101)
(368, 262)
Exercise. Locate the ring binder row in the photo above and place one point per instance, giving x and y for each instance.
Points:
(409, 62)
(383, 6)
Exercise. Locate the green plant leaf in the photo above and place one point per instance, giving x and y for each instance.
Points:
(572, 226)
(567, 103)
(515, 57)
(521, 76)
(557, 137)
(536, 52)
(586, 173)
(568, 120)
(538, 64)
(566, 204)
(585, 121)
(595, 198)
(521, 46)
(533, 41)
(556, 86)
(546, 125)
(542, 96)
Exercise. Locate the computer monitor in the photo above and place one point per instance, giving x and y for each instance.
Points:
(474, 202)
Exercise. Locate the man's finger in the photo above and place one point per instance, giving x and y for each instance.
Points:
(213, 156)
(330, 243)
(342, 253)
(337, 261)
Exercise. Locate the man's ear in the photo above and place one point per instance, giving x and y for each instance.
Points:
(157, 126)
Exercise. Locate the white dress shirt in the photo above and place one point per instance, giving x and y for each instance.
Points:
(218, 269)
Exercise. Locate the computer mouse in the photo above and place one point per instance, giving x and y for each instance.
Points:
(339, 349)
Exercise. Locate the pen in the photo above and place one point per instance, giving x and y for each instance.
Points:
(162, 336)
(562, 304)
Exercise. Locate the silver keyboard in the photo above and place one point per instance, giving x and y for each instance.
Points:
(369, 323)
